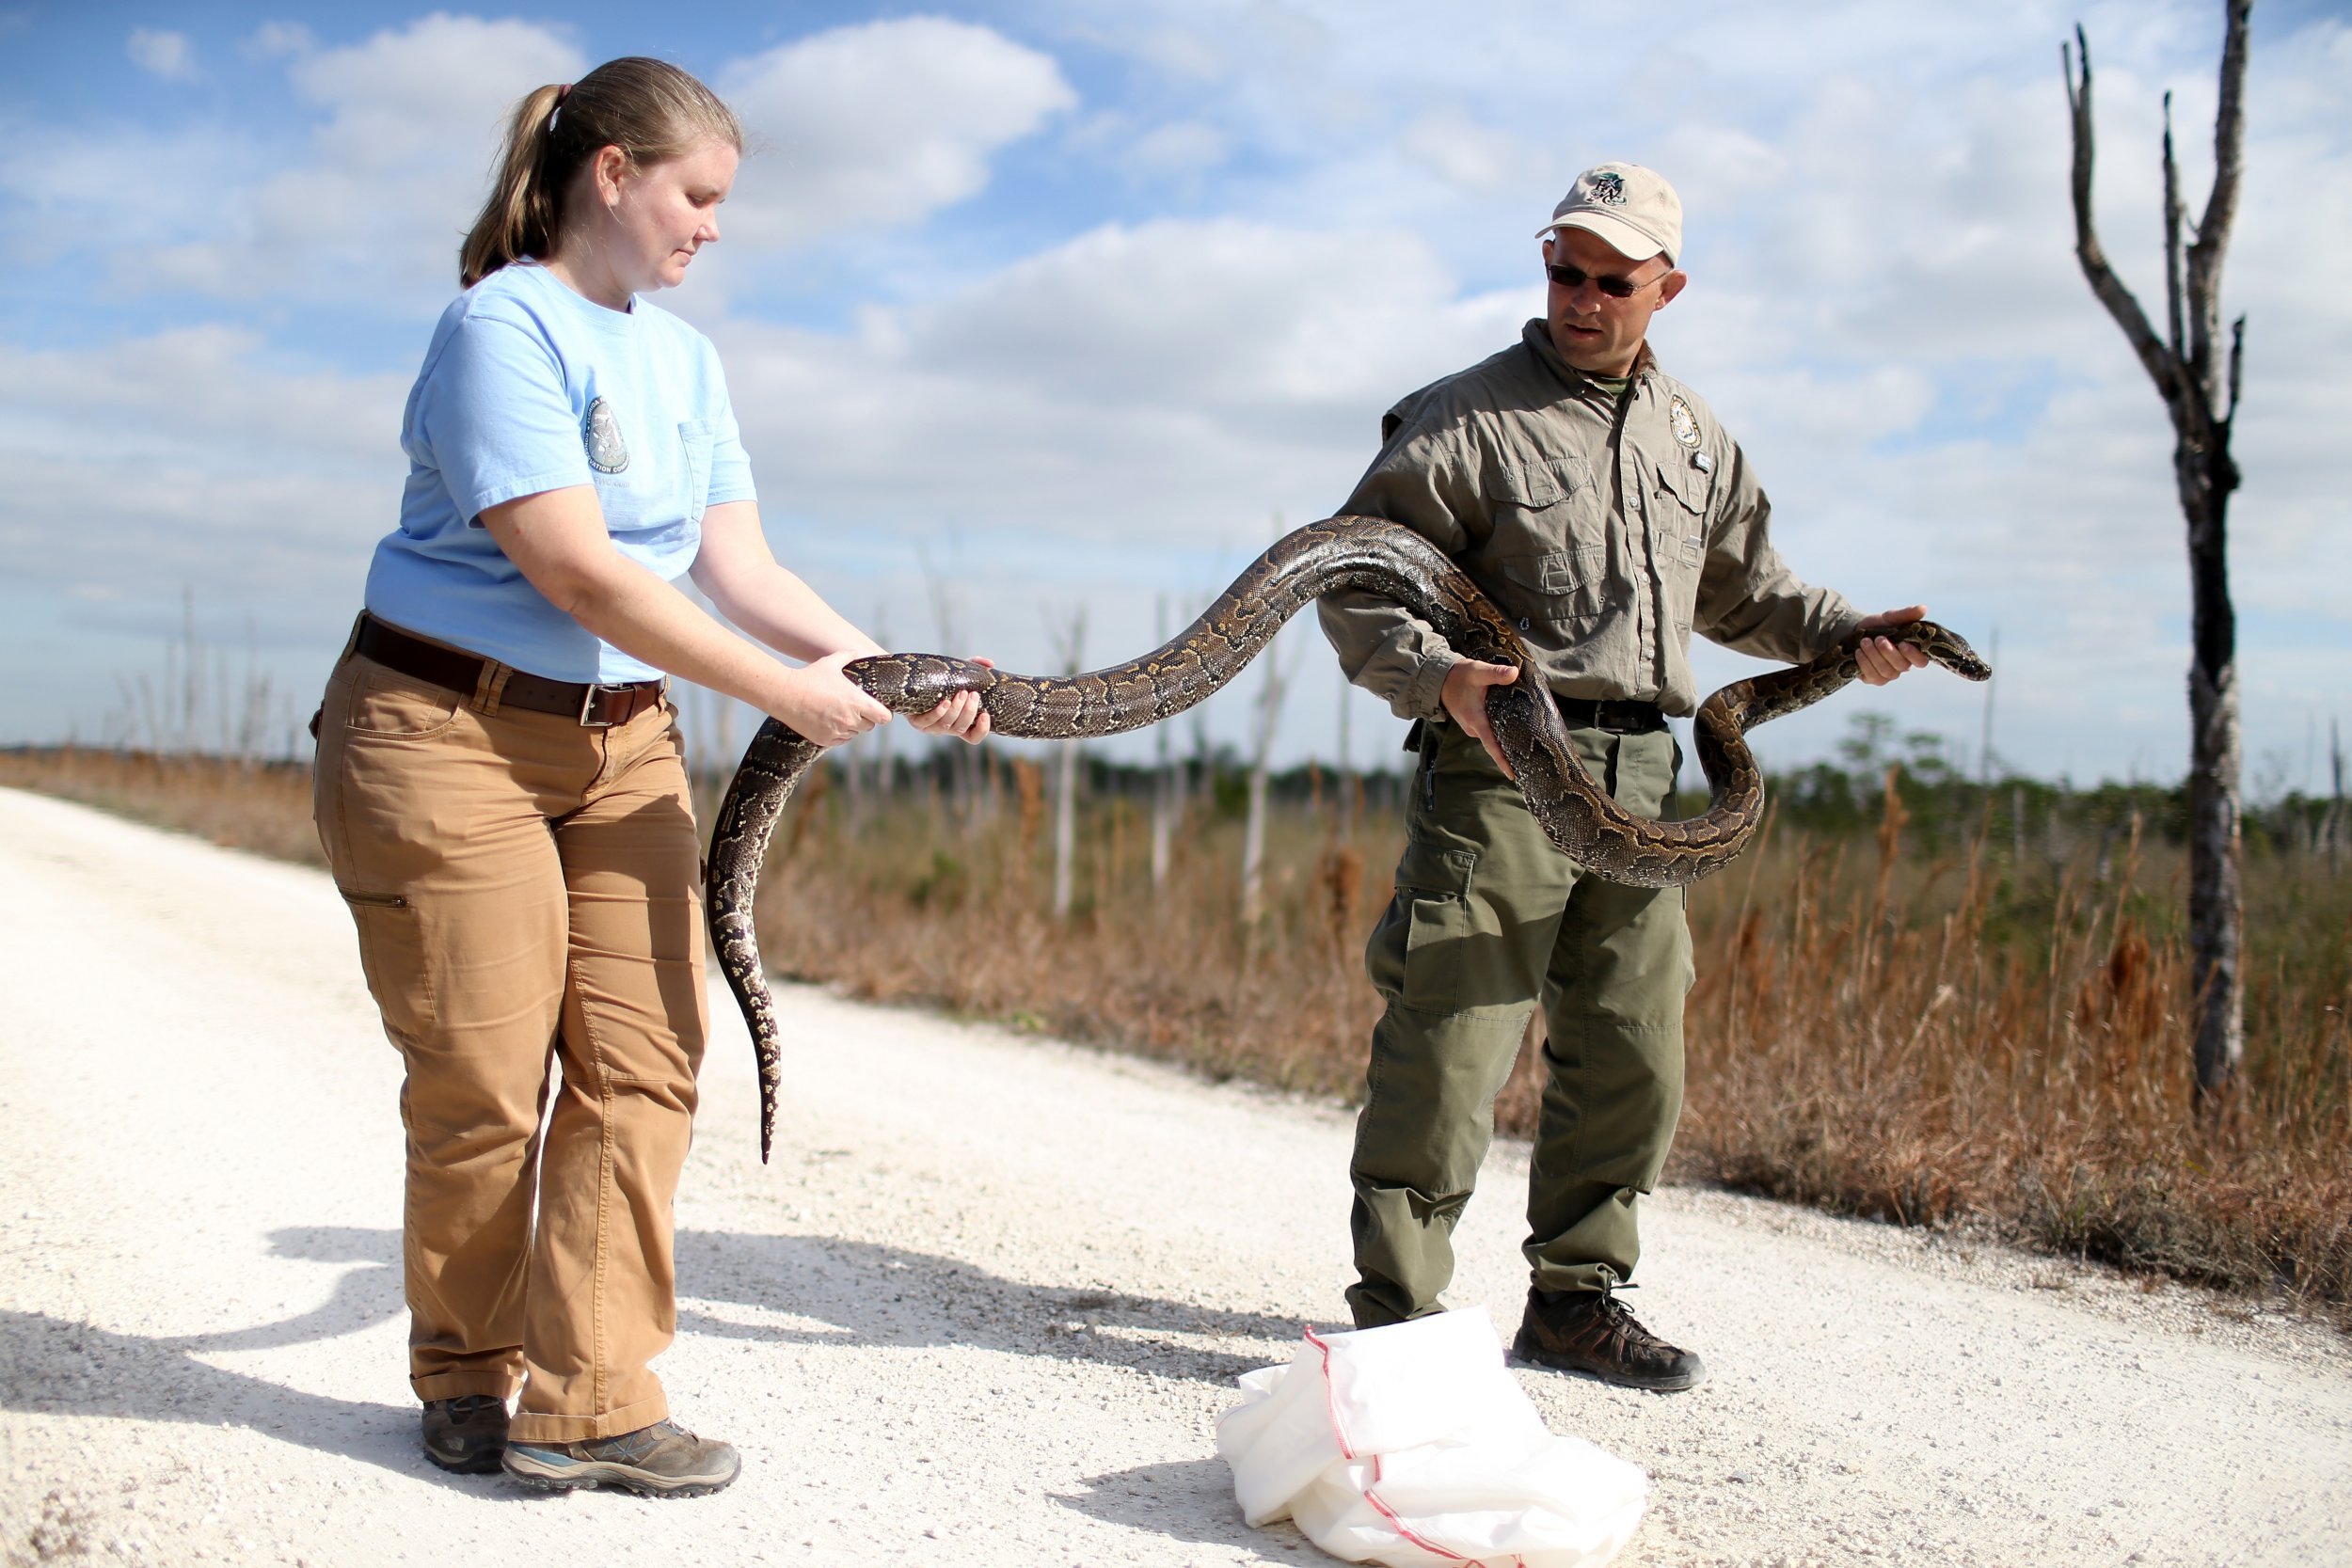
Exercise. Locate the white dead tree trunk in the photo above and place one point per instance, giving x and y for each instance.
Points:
(2201, 393)
(1270, 697)
(964, 763)
(1071, 645)
(1165, 789)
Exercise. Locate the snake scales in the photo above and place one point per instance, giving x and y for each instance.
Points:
(1388, 559)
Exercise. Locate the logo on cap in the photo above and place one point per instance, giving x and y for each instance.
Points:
(1609, 189)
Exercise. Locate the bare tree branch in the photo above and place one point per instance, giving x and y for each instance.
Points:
(2161, 366)
(2172, 215)
(2213, 231)
(2237, 360)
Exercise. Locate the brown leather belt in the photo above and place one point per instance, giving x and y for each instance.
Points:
(1617, 715)
(595, 706)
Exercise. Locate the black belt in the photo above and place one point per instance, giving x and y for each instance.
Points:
(595, 706)
(1619, 715)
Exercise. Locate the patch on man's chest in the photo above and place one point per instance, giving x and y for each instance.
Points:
(1685, 422)
(607, 452)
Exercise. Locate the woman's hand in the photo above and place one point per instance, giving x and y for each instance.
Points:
(960, 715)
(826, 707)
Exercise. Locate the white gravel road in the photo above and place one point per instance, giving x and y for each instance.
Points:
(984, 1308)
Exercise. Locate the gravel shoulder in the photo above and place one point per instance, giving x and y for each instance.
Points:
(984, 1307)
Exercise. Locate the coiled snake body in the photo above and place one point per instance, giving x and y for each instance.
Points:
(1388, 559)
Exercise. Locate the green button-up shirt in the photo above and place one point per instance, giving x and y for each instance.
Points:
(1606, 529)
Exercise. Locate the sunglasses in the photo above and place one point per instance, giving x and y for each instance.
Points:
(1615, 288)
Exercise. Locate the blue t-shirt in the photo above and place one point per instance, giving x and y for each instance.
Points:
(529, 386)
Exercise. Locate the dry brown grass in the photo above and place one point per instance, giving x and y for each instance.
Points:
(1921, 1039)
(263, 806)
(1962, 1038)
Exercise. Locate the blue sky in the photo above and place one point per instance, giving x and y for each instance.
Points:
(1035, 305)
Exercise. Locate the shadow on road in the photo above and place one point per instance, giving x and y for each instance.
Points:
(829, 1291)
(885, 1295)
(49, 1367)
(1188, 1500)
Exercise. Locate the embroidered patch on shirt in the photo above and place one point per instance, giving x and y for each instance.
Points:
(607, 452)
(1686, 423)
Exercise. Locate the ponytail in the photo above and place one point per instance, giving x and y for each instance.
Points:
(519, 218)
(649, 109)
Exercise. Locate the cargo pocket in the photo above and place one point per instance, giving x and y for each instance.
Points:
(392, 956)
(1416, 954)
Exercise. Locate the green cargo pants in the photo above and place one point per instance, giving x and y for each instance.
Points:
(1488, 917)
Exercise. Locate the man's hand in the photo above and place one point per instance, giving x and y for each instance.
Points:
(1465, 699)
(1883, 660)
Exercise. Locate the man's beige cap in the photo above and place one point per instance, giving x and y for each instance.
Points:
(1632, 208)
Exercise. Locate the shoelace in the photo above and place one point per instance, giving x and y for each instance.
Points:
(1627, 1328)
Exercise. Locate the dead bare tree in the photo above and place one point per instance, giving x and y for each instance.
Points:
(1070, 643)
(1270, 694)
(2201, 395)
(1165, 790)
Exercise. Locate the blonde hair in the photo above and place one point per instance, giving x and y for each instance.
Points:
(649, 109)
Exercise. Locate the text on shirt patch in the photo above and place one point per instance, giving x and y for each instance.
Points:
(607, 452)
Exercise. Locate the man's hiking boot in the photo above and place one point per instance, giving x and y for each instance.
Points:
(663, 1460)
(466, 1434)
(1591, 1331)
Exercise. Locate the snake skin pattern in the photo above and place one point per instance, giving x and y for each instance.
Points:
(1384, 558)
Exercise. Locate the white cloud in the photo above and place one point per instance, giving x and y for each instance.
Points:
(1178, 149)
(375, 207)
(878, 126)
(1465, 153)
(1117, 389)
(273, 39)
(213, 457)
(163, 54)
(863, 128)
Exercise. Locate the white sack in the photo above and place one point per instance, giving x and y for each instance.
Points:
(1413, 1446)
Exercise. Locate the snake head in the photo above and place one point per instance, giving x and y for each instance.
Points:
(1949, 649)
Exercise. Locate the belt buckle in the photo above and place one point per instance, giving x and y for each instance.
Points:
(587, 703)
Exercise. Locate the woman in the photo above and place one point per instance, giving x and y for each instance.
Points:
(502, 789)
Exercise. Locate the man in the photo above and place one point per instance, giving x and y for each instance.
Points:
(1599, 502)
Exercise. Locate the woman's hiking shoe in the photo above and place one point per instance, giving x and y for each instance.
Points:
(1591, 1331)
(466, 1434)
(663, 1460)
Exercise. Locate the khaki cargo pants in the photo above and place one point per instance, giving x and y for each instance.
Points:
(525, 890)
(1487, 919)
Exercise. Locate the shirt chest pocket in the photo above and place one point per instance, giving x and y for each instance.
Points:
(1679, 497)
(1547, 542)
(1558, 587)
(1541, 500)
